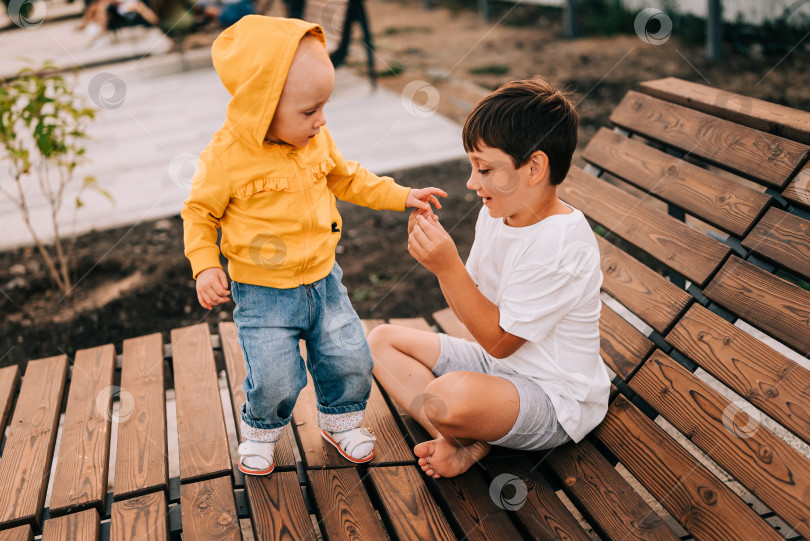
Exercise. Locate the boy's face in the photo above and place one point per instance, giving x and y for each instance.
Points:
(501, 187)
(299, 114)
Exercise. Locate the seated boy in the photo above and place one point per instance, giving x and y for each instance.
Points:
(529, 294)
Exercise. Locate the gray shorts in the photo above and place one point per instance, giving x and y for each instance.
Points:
(536, 426)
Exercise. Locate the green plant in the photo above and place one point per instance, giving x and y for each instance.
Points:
(42, 127)
(490, 69)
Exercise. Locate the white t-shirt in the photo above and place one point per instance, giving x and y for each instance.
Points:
(545, 280)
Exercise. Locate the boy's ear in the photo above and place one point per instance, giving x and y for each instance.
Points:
(538, 167)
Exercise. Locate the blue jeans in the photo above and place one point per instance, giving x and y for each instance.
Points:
(270, 324)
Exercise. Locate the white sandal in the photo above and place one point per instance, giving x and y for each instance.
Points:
(262, 450)
(352, 442)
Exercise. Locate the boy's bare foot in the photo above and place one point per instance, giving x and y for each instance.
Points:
(439, 458)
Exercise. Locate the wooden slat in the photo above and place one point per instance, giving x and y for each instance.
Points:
(543, 515)
(776, 472)
(390, 447)
(650, 296)
(783, 238)
(82, 526)
(20, 533)
(467, 497)
(414, 323)
(671, 241)
(409, 507)
(798, 191)
(9, 381)
(745, 151)
(772, 304)
(143, 518)
(26, 462)
(141, 463)
(201, 434)
(769, 380)
(606, 499)
(621, 346)
(277, 507)
(343, 507)
(236, 370)
(209, 510)
(80, 480)
(727, 204)
(687, 490)
(452, 325)
(759, 114)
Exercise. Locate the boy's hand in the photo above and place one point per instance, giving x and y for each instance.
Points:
(423, 197)
(416, 213)
(212, 287)
(431, 245)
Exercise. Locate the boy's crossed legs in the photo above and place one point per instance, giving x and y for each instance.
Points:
(462, 410)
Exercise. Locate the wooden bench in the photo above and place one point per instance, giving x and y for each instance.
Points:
(698, 315)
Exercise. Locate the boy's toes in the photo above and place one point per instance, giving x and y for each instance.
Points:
(425, 449)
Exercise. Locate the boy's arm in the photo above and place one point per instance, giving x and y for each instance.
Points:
(430, 244)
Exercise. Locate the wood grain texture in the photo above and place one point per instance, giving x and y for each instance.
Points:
(202, 438)
(342, 505)
(467, 497)
(621, 346)
(759, 114)
(766, 378)
(542, 513)
(26, 462)
(677, 245)
(606, 499)
(236, 371)
(750, 153)
(9, 381)
(141, 463)
(774, 305)
(82, 526)
(773, 470)
(687, 490)
(20, 533)
(798, 191)
(418, 323)
(80, 480)
(209, 510)
(143, 518)
(783, 238)
(721, 202)
(452, 325)
(650, 296)
(277, 507)
(408, 505)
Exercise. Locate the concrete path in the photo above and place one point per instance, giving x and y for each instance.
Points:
(155, 118)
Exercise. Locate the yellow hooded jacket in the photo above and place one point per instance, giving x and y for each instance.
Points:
(274, 202)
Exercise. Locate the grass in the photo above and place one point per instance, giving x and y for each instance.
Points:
(490, 69)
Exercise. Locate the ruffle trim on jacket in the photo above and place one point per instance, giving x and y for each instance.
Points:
(322, 169)
(261, 185)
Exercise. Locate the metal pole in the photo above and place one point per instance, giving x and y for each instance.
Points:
(570, 18)
(714, 29)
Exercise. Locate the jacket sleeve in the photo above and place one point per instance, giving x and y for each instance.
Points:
(210, 194)
(351, 182)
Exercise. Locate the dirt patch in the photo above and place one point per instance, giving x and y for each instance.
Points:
(133, 281)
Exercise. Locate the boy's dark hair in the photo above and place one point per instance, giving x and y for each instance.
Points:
(523, 117)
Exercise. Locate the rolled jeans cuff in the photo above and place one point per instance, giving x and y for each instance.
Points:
(340, 422)
(262, 434)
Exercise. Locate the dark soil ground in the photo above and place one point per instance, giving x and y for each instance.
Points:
(135, 280)
(132, 281)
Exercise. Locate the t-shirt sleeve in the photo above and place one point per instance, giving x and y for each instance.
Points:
(536, 298)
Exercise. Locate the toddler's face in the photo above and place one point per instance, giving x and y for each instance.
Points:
(299, 114)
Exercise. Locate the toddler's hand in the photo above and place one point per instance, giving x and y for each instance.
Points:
(415, 214)
(422, 198)
(212, 287)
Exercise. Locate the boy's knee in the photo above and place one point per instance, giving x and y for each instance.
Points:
(443, 404)
(379, 338)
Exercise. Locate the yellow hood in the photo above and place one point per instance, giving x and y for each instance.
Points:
(252, 58)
